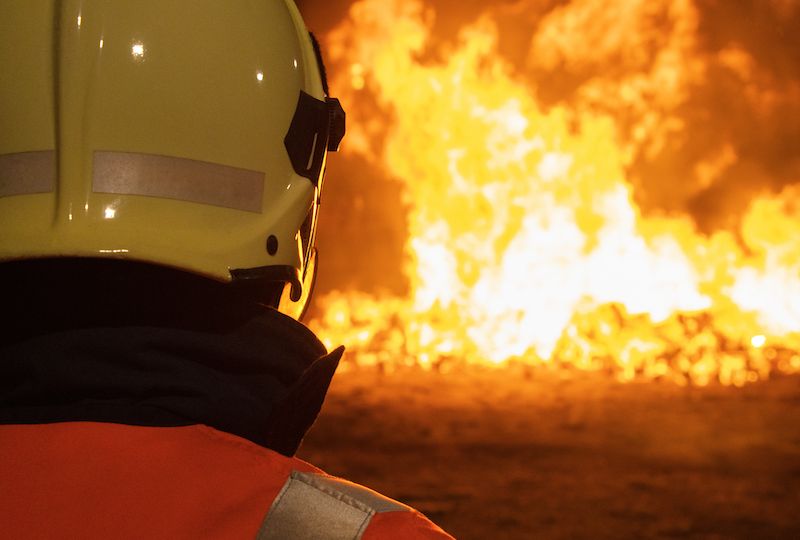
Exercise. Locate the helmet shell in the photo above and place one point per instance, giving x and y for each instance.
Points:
(154, 131)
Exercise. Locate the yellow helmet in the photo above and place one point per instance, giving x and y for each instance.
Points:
(188, 135)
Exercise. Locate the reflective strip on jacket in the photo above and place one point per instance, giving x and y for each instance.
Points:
(94, 480)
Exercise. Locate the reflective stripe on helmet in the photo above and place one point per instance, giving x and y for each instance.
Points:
(26, 173)
(169, 177)
(323, 507)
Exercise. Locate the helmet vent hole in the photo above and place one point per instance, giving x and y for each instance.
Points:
(272, 244)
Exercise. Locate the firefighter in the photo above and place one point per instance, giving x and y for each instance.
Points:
(161, 165)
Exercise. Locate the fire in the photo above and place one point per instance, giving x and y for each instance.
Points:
(526, 243)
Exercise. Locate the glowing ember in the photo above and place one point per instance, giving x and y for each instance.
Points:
(525, 243)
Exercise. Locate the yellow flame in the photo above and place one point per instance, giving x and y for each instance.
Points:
(525, 243)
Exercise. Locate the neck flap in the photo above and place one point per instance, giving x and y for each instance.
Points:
(265, 381)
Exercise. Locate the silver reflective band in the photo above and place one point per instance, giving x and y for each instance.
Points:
(313, 506)
(25, 173)
(166, 177)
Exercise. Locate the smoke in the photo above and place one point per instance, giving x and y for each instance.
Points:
(706, 94)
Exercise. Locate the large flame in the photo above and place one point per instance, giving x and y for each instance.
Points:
(525, 242)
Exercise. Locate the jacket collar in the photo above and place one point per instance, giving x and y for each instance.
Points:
(264, 381)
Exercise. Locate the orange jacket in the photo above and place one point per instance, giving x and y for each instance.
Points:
(150, 432)
(99, 480)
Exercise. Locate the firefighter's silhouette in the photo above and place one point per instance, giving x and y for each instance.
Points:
(161, 165)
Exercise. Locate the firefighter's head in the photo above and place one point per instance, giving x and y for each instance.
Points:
(179, 135)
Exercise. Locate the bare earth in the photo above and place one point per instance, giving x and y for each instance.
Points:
(514, 454)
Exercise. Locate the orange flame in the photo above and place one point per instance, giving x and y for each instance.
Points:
(525, 241)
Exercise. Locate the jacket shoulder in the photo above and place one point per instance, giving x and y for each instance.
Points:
(401, 525)
(316, 505)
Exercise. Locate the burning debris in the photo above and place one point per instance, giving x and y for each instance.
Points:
(594, 185)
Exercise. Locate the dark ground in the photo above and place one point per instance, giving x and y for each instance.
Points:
(501, 454)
